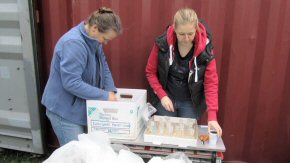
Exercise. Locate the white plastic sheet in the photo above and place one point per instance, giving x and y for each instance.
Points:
(177, 157)
(96, 148)
(147, 112)
(90, 148)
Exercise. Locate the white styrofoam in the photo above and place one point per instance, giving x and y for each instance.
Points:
(181, 142)
(158, 139)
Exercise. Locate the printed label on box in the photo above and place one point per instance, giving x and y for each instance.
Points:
(111, 127)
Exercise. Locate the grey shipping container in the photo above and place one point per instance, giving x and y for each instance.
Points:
(20, 122)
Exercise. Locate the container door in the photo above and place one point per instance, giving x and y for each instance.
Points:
(20, 127)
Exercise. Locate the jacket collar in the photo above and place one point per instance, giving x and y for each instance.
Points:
(92, 42)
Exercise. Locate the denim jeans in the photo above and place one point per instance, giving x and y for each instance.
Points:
(65, 130)
(181, 109)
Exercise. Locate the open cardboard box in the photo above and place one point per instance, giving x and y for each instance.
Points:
(121, 119)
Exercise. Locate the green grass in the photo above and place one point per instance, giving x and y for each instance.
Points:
(12, 156)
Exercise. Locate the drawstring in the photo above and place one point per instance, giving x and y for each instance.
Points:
(195, 72)
(207, 41)
(196, 76)
(189, 75)
(170, 55)
(190, 72)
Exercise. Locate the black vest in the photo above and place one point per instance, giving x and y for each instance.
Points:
(196, 88)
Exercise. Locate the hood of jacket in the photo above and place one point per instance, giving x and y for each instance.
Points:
(200, 41)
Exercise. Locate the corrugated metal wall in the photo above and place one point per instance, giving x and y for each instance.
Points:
(252, 46)
(20, 126)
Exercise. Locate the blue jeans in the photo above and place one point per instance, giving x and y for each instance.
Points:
(65, 130)
(181, 109)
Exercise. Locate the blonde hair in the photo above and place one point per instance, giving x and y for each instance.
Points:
(184, 16)
(105, 19)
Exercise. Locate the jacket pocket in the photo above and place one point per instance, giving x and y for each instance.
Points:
(79, 105)
(197, 92)
(162, 77)
(74, 100)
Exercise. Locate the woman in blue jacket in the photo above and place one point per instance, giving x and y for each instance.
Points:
(79, 72)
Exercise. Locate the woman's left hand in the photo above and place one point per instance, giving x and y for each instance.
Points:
(215, 125)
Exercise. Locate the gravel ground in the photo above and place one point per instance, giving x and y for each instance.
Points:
(12, 156)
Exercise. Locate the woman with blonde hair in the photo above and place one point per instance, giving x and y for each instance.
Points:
(181, 70)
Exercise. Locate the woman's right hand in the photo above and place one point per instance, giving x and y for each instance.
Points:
(167, 104)
(215, 125)
(112, 96)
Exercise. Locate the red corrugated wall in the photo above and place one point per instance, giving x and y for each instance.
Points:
(252, 46)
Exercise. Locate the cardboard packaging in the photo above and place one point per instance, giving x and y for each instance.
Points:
(121, 119)
(171, 130)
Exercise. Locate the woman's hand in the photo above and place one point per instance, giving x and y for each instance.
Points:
(112, 96)
(167, 104)
(215, 125)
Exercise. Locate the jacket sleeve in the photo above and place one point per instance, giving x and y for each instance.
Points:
(211, 90)
(73, 59)
(151, 73)
(109, 84)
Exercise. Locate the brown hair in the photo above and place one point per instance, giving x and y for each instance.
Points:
(184, 16)
(105, 19)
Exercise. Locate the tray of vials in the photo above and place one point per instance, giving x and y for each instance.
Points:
(171, 130)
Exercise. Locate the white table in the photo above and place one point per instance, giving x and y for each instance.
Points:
(141, 147)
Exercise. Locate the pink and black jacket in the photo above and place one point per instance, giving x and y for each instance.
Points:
(203, 78)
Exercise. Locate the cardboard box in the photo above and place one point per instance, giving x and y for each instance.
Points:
(121, 119)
